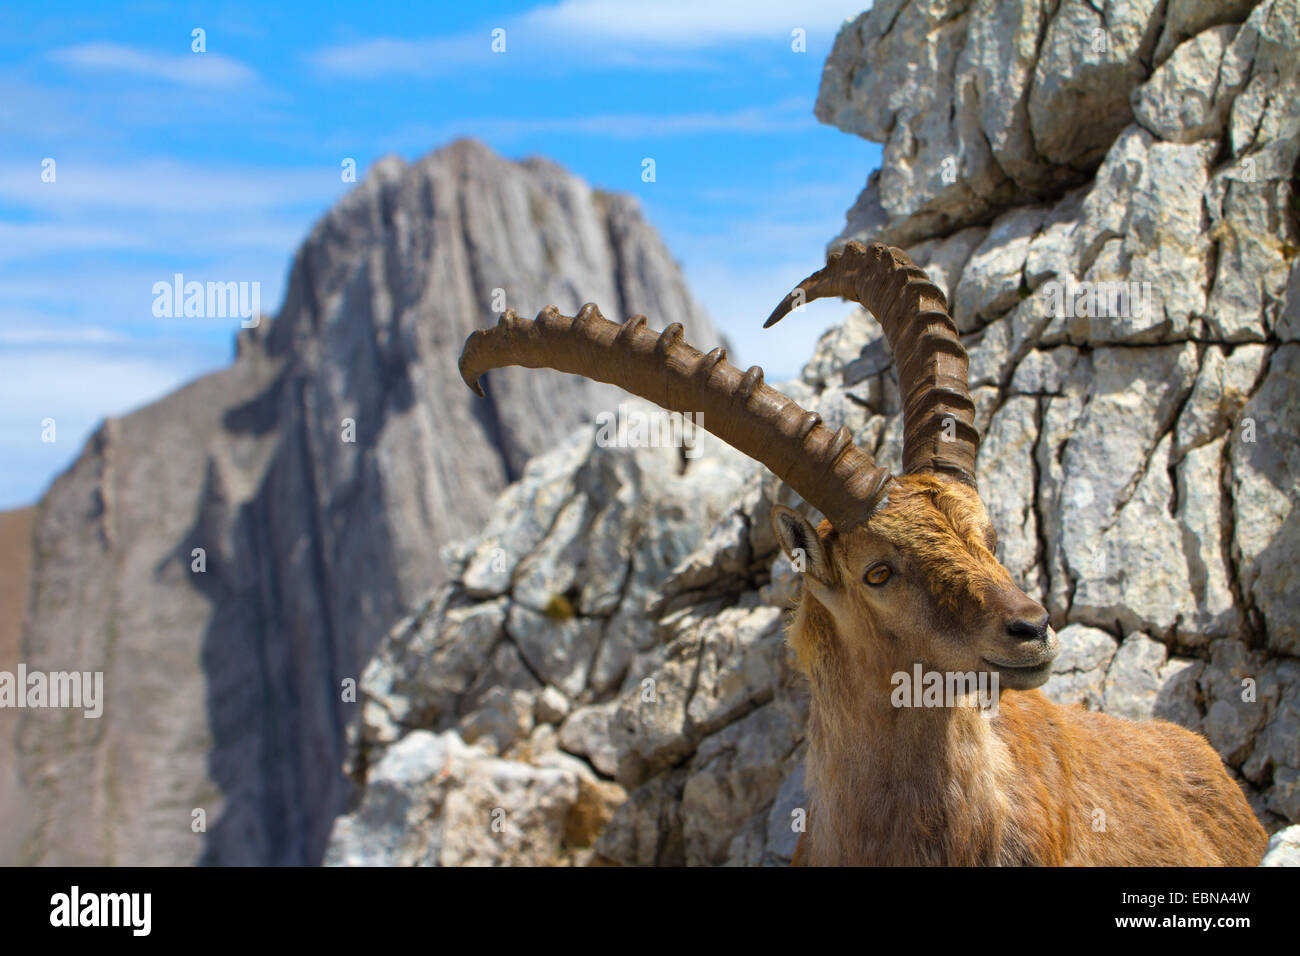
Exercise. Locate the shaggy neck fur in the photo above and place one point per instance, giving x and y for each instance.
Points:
(901, 786)
(947, 785)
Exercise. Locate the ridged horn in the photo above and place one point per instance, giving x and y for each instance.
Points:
(933, 370)
(825, 467)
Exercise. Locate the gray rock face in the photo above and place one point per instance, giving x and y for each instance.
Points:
(1117, 235)
(433, 801)
(319, 474)
(605, 682)
(1284, 848)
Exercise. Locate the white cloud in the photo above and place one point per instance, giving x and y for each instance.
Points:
(107, 112)
(690, 24)
(28, 239)
(527, 48)
(584, 34)
(87, 383)
(161, 206)
(186, 69)
(396, 55)
(78, 388)
(60, 298)
(167, 186)
(787, 116)
(80, 335)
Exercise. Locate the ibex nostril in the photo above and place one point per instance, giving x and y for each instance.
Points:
(1027, 630)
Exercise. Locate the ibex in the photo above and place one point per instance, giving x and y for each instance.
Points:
(901, 576)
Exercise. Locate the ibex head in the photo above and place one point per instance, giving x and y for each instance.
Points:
(902, 565)
(918, 581)
(912, 575)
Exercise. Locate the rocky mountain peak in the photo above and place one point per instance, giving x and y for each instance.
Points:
(318, 477)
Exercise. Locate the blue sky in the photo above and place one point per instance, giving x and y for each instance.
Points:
(215, 164)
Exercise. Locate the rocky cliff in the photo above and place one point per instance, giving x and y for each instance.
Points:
(230, 555)
(1107, 193)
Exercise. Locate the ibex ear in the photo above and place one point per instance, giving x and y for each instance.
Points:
(801, 544)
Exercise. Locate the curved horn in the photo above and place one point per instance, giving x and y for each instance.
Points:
(825, 467)
(933, 370)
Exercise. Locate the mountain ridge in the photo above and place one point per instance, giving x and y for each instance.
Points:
(319, 474)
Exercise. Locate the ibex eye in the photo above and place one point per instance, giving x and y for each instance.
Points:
(878, 574)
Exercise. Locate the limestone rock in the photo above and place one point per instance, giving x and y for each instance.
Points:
(432, 801)
(1133, 679)
(1185, 99)
(1283, 848)
(552, 707)
(586, 732)
(1186, 18)
(992, 279)
(1088, 64)
(734, 775)
(1080, 669)
(319, 474)
(1264, 451)
(592, 811)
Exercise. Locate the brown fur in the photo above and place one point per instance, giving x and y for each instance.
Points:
(1035, 784)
